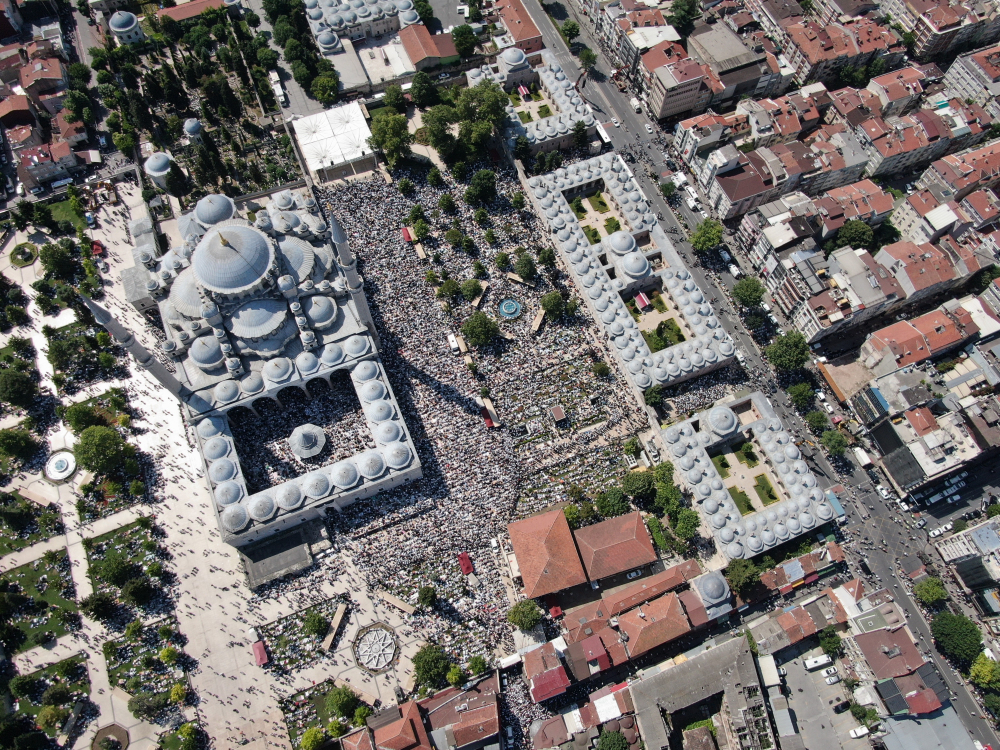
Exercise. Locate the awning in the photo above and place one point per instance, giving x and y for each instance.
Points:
(260, 653)
(465, 563)
(641, 300)
(407, 234)
(523, 91)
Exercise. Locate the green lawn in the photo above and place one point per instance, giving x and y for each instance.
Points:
(43, 524)
(132, 542)
(721, 465)
(525, 116)
(515, 100)
(598, 203)
(612, 225)
(135, 666)
(70, 672)
(745, 454)
(544, 112)
(592, 234)
(578, 208)
(658, 304)
(61, 211)
(741, 500)
(47, 580)
(764, 490)
(23, 255)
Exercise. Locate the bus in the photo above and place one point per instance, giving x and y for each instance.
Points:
(60, 183)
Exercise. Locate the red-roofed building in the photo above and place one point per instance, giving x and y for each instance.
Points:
(973, 76)
(544, 672)
(919, 698)
(964, 173)
(427, 50)
(545, 556)
(70, 132)
(519, 25)
(899, 91)
(614, 546)
(43, 76)
(17, 110)
(582, 622)
(921, 420)
(189, 11)
(803, 569)
(940, 27)
(653, 624)
(921, 270)
(463, 719)
(889, 653)
(649, 587)
(357, 740)
(907, 342)
(23, 136)
(406, 733)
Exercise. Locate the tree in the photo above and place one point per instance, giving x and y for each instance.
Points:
(957, 637)
(427, 597)
(502, 260)
(547, 257)
(313, 738)
(361, 714)
(834, 442)
(601, 370)
(56, 260)
(176, 180)
(422, 90)
(342, 701)
(992, 703)
(394, 98)
(668, 189)
(587, 59)
(138, 591)
(683, 14)
(524, 267)
(817, 421)
(612, 741)
(801, 395)
(17, 388)
(855, 233)
(687, 524)
(430, 665)
(391, 137)
(482, 187)
(267, 58)
(524, 615)
(124, 142)
(789, 351)
(522, 149)
(456, 675)
(554, 305)
(742, 575)
(326, 88)
(465, 40)
(639, 485)
(653, 396)
(985, 673)
(707, 236)
(99, 606)
(22, 686)
(570, 30)
(580, 134)
(572, 513)
(81, 416)
(169, 655)
(17, 443)
(748, 292)
(480, 329)
(471, 289)
(100, 449)
(478, 665)
(52, 717)
(315, 624)
(446, 203)
(611, 503)
(993, 510)
(930, 591)
(830, 642)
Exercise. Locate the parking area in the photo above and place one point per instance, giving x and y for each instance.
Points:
(811, 702)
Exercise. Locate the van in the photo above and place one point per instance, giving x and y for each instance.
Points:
(765, 307)
(935, 498)
(453, 343)
(735, 271)
(817, 661)
(858, 732)
(725, 256)
(741, 358)
(20, 188)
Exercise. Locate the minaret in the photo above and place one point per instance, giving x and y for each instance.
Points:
(348, 264)
(146, 360)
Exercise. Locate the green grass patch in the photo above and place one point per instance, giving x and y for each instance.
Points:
(745, 454)
(742, 501)
(765, 491)
(71, 673)
(33, 522)
(544, 112)
(598, 203)
(515, 100)
(524, 116)
(62, 211)
(578, 208)
(307, 709)
(132, 543)
(23, 255)
(667, 334)
(421, 137)
(536, 96)
(289, 645)
(50, 599)
(721, 465)
(592, 234)
(657, 300)
(612, 225)
(134, 664)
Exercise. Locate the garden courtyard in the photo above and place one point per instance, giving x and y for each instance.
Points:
(748, 479)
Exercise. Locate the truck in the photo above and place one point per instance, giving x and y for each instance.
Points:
(769, 670)
(274, 78)
(279, 94)
(862, 457)
(636, 105)
(817, 661)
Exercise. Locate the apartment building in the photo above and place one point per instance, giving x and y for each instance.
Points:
(921, 270)
(941, 26)
(899, 91)
(817, 52)
(775, 15)
(696, 136)
(926, 216)
(785, 119)
(860, 201)
(830, 11)
(677, 87)
(521, 28)
(976, 77)
(739, 70)
(629, 29)
(965, 172)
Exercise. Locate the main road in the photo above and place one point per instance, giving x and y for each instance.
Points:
(877, 531)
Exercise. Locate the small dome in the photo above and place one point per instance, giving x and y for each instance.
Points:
(261, 507)
(222, 470)
(635, 264)
(397, 455)
(226, 391)
(316, 485)
(370, 464)
(234, 518)
(214, 208)
(409, 16)
(356, 345)
(622, 243)
(307, 440)
(380, 411)
(320, 311)
(344, 474)
(365, 371)
(252, 383)
(228, 493)
(289, 496)
(373, 390)
(277, 369)
(122, 21)
(513, 56)
(216, 448)
(332, 354)
(734, 550)
(713, 587)
(158, 163)
(307, 363)
(388, 432)
(192, 126)
(209, 427)
(722, 420)
(206, 352)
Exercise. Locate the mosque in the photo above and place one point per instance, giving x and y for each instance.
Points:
(254, 312)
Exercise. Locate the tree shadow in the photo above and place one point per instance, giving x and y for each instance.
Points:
(557, 10)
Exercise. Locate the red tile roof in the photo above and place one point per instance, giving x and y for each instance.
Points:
(477, 725)
(653, 624)
(615, 545)
(517, 20)
(407, 733)
(546, 555)
(649, 587)
(889, 653)
(919, 698)
(359, 740)
(925, 265)
(190, 10)
(582, 622)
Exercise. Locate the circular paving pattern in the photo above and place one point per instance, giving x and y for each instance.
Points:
(510, 309)
(60, 466)
(375, 648)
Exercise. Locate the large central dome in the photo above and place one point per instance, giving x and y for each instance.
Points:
(230, 260)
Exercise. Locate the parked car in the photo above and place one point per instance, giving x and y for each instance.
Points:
(943, 529)
(921, 523)
(841, 707)
(829, 671)
(833, 679)
(633, 574)
(828, 407)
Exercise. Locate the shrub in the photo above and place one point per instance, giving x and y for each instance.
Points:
(138, 591)
(169, 655)
(478, 665)
(56, 695)
(456, 676)
(525, 614)
(601, 370)
(312, 738)
(315, 624)
(427, 597)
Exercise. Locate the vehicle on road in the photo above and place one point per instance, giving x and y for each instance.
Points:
(921, 523)
(725, 256)
(833, 679)
(636, 105)
(841, 707)
(614, 121)
(649, 128)
(882, 491)
(828, 408)
(741, 358)
(942, 529)
(735, 271)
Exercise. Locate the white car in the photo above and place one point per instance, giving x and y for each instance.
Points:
(633, 574)
(828, 408)
(614, 121)
(882, 491)
(829, 671)
(833, 679)
(252, 635)
(939, 531)
(649, 128)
